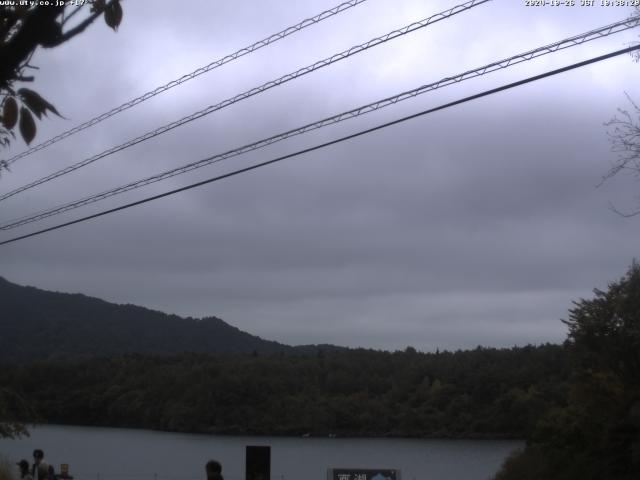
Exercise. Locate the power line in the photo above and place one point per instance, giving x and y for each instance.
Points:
(500, 64)
(254, 91)
(185, 78)
(332, 142)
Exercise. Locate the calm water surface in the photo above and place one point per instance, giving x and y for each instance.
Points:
(122, 454)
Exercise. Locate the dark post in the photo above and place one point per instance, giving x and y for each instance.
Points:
(258, 463)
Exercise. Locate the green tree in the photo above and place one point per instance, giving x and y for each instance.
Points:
(24, 28)
(596, 435)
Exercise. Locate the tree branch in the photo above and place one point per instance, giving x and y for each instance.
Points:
(37, 28)
(68, 17)
(633, 213)
(78, 28)
(10, 18)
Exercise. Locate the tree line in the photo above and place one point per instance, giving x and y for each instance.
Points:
(481, 393)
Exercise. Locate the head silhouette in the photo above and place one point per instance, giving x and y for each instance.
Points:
(38, 455)
(213, 469)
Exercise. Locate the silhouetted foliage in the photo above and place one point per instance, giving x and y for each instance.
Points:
(25, 26)
(624, 136)
(596, 435)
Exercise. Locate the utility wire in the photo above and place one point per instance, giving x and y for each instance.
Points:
(501, 64)
(185, 78)
(332, 142)
(254, 91)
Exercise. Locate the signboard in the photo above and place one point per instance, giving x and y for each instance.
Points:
(258, 463)
(64, 472)
(362, 474)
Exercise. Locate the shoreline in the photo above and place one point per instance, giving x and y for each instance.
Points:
(307, 435)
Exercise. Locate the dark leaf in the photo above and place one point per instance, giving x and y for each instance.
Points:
(36, 103)
(113, 14)
(98, 6)
(27, 125)
(10, 113)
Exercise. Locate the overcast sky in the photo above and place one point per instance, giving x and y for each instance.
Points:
(474, 225)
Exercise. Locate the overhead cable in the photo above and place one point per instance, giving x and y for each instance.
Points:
(254, 91)
(185, 78)
(332, 142)
(371, 107)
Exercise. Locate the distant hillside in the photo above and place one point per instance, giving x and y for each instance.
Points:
(41, 325)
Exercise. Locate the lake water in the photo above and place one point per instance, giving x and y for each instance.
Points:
(122, 454)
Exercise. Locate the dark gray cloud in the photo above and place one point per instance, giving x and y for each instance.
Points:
(475, 225)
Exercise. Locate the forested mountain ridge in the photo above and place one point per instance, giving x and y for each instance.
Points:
(134, 367)
(41, 325)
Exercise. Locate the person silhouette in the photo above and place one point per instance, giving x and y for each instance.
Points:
(24, 470)
(214, 470)
(40, 468)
